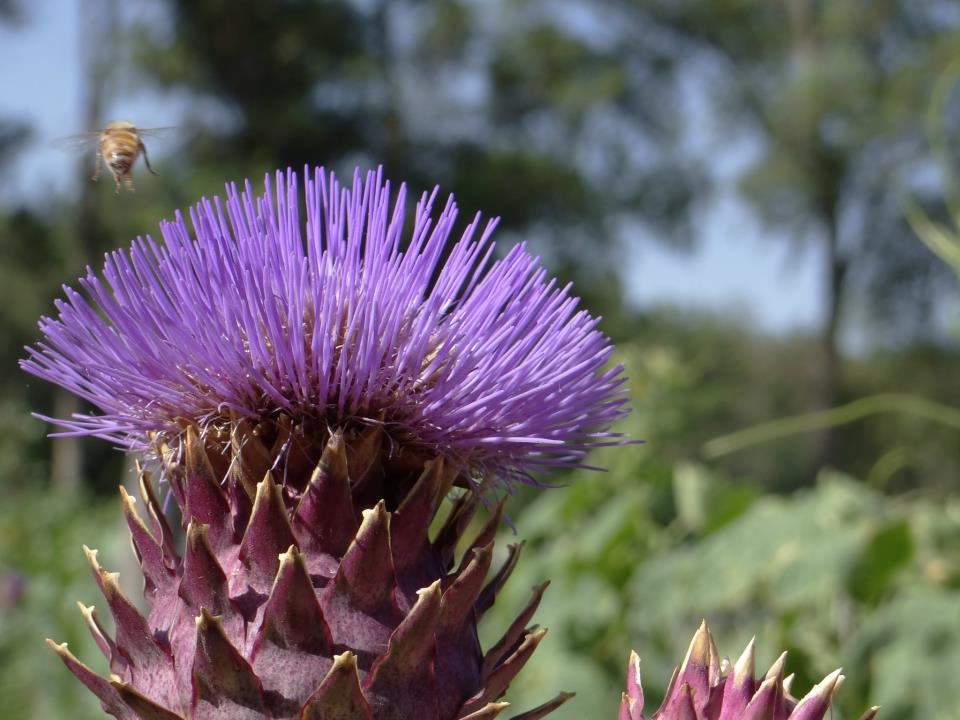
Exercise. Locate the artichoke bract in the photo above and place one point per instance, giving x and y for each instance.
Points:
(704, 687)
(328, 395)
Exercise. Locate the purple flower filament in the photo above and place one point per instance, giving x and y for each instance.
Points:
(256, 313)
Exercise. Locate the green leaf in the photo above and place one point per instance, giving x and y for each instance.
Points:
(888, 552)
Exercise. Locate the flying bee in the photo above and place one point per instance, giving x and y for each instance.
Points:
(118, 146)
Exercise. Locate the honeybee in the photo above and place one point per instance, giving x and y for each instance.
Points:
(118, 145)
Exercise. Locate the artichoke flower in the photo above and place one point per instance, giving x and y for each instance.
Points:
(328, 395)
(705, 688)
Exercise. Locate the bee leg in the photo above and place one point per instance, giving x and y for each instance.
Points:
(146, 160)
(97, 166)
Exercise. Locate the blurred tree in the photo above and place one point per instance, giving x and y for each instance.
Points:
(831, 91)
(569, 119)
(296, 85)
(41, 246)
(25, 278)
(9, 11)
(98, 37)
(515, 108)
(13, 134)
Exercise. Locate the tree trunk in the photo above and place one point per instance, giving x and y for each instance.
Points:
(98, 41)
(828, 392)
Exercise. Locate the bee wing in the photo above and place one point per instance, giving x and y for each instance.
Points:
(157, 132)
(76, 143)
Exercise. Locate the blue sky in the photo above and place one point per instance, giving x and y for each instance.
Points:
(737, 269)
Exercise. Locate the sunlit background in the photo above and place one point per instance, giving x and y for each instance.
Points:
(739, 187)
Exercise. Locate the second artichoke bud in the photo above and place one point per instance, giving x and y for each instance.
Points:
(704, 687)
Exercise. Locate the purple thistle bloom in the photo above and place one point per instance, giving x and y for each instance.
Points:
(344, 320)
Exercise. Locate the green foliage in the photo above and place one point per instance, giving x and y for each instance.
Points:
(579, 75)
(888, 551)
(941, 239)
(834, 573)
(911, 646)
(838, 575)
(41, 536)
(265, 68)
